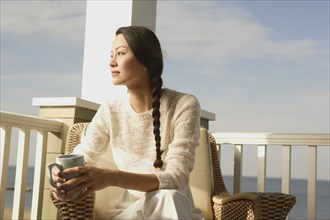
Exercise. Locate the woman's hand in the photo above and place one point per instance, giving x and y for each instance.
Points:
(92, 179)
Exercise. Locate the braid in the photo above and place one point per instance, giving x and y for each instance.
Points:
(146, 48)
(157, 83)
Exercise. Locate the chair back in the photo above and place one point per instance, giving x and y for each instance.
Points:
(201, 178)
(219, 183)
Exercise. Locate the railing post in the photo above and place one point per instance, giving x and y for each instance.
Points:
(21, 173)
(39, 174)
(206, 117)
(69, 111)
(286, 168)
(312, 175)
(262, 162)
(4, 156)
(238, 158)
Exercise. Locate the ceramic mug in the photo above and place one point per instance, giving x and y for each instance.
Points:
(64, 162)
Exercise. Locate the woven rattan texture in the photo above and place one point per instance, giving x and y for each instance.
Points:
(75, 210)
(72, 209)
(74, 135)
(235, 210)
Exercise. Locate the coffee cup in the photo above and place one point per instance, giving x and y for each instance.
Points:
(64, 162)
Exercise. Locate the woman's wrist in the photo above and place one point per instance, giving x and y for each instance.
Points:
(113, 177)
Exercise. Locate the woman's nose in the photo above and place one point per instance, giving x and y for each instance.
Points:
(112, 63)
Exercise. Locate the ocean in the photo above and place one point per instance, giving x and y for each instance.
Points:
(249, 184)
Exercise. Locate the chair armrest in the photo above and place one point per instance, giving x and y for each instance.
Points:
(218, 199)
(75, 210)
(263, 205)
(256, 197)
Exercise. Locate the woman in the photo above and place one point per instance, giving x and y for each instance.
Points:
(152, 133)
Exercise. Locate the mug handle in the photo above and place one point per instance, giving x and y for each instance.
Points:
(49, 172)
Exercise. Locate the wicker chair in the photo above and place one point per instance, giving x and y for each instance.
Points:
(208, 189)
(247, 205)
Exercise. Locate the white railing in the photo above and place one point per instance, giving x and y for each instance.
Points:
(25, 125)
(286, 142)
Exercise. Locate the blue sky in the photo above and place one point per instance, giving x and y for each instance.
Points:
(248, 68)
(260, 66)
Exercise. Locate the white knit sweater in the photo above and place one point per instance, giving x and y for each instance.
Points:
(130, 137)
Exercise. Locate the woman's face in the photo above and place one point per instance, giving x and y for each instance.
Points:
(125, 68)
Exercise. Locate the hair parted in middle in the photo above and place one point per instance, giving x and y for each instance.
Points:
(147, 50)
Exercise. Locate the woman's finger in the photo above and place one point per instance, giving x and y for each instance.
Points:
(75, 191)
(85, 193)
(58, 194)
(56, 175)
(55, 170)
(58, 191)
(75, 181)
(71, 183)
(58, 179)
(71, 170)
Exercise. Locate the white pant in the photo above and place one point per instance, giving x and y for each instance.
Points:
(159, 204)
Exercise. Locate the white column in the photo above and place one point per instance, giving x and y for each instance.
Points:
(103, 18)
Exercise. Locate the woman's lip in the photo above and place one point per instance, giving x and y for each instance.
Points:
(113, 73)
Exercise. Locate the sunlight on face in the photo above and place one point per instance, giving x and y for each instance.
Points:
(125, 68)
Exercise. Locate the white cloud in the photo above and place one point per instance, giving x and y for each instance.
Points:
(308, 112)
(57, 19)
(17, 90)
(214, 34)
(67, 80)
(6, 58)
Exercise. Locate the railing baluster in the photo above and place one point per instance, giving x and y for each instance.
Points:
(312, 174)
(238, 158)
(286, 168)
(21, 173)
(262, 162)
(39, 175)
(5, 146)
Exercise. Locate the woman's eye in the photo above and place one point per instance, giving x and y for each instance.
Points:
(120, 53)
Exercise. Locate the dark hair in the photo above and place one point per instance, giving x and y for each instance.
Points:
(146, 48)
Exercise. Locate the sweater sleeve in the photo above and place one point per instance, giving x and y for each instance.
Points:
(180, 157)
(96, 140)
